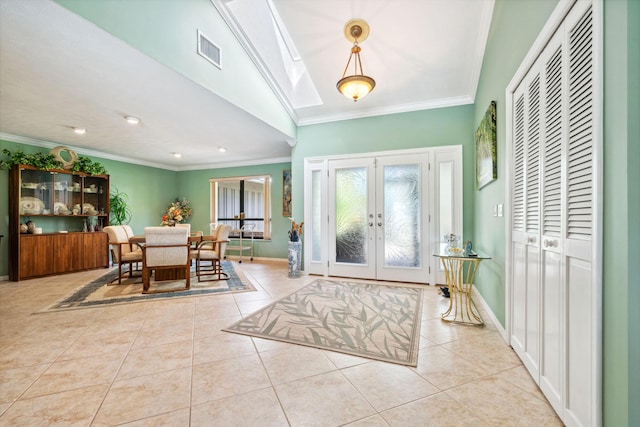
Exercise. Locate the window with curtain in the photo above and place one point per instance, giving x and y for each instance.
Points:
(244, 203)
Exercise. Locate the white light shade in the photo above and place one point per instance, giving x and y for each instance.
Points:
(176, 155)
(222, 149)
(356, 87)
(80, 131)
(133, 120)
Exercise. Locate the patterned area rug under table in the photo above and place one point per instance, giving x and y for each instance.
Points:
(100, 292)
(380, 322)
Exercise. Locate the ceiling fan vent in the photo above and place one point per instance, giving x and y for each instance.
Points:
(208, 50)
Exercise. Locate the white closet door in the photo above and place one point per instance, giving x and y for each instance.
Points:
(582, 319)
(552, 280)
(526, 222)
(555, 291)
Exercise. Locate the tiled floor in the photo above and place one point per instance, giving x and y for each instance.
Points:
(166, 363)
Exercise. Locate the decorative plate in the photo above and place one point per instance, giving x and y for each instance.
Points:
(60, 209)
(31, 206)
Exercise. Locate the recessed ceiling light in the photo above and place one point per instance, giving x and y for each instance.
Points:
(222, 149)
(80, 131)
(132, 120)
(176, 155)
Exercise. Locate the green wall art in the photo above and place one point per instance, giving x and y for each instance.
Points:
(486, 148)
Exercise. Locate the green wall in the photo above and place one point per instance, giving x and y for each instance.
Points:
(194, 185)
(166, 30)
(621, 340)
(427, 128)
(514, 28)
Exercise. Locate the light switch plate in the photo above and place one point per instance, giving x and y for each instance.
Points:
(500, 209)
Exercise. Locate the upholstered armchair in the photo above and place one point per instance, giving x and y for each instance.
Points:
(165, 248)
(122, 252)
(212, 252)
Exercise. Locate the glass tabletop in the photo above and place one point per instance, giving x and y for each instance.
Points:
(461, 255)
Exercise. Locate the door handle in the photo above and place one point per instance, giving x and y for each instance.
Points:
(379, 223)
(371, 224)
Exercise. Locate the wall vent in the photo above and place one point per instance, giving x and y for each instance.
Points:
(208, 50)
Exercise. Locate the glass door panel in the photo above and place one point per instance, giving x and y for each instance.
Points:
(351, 218)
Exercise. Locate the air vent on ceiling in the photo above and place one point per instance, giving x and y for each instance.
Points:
(208, 50)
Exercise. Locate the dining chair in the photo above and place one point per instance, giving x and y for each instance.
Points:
(212, 251)
(166, 248)
(122, 252)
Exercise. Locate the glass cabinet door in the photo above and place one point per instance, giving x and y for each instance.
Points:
(95, 200)
(35, 192)
(63, 199)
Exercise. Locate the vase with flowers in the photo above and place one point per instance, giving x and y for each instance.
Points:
(177, 212)
(295, 248)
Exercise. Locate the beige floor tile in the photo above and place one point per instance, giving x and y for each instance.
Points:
(327, 399)
(153, 334)
(142, 397)
(488, 351)
(438, 410)
(294, 362)
(18, 354)
(112, 343)
(499, 403)
(265, 411)
(341, 360)
(225, 378)
(210, 326)
(445, 369)
(75, 407)
(373, 421)
(160, 358)
(386, 385)
(221, 347)
(77, 373)
(14, 382)
(519, 376)
(179, 418)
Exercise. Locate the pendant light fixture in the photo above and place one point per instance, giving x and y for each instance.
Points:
(357, 85)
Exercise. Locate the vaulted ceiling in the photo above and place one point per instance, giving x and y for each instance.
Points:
(422, 54)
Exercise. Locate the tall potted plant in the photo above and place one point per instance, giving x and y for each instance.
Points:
(119, 211)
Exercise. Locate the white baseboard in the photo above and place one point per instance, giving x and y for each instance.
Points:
(477, 298)
(246, 258)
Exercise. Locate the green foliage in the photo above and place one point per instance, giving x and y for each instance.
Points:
(39, 160)
(48, 161)
(86, 165)
(119, 211)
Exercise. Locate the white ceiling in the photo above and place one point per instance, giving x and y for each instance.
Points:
(422, 54)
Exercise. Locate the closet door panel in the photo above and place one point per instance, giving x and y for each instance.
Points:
(579, 343)
(552, 284)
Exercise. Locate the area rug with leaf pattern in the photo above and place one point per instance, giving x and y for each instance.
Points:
(100, 292)
(380, 322)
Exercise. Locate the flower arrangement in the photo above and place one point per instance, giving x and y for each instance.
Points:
(296, 231)
(177, 212)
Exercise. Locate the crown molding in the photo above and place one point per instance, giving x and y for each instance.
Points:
(93, 153)
(394, 109)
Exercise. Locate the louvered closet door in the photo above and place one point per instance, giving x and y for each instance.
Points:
(554, 311)
(581, 312)
(525, 337)
(552, 285)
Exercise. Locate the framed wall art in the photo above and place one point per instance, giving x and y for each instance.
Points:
(486, 148)
(286, 193)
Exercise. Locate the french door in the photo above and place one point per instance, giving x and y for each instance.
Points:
(381, 216)
(376, 228)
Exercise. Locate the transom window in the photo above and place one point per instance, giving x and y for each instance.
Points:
(244, 203)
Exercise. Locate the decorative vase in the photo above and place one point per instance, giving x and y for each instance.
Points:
(295, 259)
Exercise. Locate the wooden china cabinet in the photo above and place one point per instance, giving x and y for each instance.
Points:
(68, 210)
